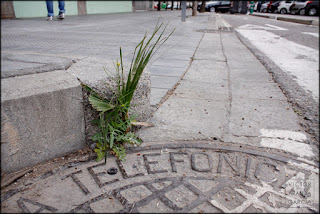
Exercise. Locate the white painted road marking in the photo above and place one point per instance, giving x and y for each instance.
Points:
(257, 27)
(312, 34)
(286, 140)
(300, 61)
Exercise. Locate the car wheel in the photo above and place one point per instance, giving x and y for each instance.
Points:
(302, 12)
(283, 11)
(212, 9)
(264, 10)
(312, 11)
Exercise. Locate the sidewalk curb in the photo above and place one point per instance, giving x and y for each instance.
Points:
(286, 19)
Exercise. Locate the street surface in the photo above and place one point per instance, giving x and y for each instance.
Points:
(290, 51)
(224, 139)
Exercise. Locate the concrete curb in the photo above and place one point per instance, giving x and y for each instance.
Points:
(52, 107)
(287, 19)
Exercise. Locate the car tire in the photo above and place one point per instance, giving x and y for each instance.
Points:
(283, 11)
(313, 11)
(302, 12)
(212, 9)
(264, 10)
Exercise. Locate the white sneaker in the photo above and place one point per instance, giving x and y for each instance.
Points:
(61, 15)
(49, 18)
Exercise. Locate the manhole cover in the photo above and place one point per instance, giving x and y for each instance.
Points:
(190, 177)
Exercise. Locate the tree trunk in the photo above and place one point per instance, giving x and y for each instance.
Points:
(159, 6)
(194, 8)
(203, 7)
(171, 5)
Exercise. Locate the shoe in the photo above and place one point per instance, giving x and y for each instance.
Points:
(61, 15)
(49, 18)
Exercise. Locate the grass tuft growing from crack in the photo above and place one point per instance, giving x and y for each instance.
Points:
(114, 122)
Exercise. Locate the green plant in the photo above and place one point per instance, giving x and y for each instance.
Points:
(114, 122)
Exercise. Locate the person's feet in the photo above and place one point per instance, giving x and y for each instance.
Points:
(49, 18)
(61, 15)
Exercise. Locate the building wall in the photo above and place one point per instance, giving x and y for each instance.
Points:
(7, 10)
(26, 9)
(100, 7)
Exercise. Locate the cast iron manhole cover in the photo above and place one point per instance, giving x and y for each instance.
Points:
(191, 177)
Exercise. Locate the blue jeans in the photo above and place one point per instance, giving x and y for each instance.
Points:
(50, 7)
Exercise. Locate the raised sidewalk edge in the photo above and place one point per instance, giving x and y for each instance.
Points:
(288, 19)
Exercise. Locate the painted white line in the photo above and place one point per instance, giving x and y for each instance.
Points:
(226, 24)
(258, 27)
(312, 34)
(286, 140)
(276, 27)
(297, 60)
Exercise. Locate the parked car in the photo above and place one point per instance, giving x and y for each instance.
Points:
(312, 8)
(284, 7)
(264, 7)
(259, 5)
(215, 6)
(239, 7)
(298, 7)
(274, 7)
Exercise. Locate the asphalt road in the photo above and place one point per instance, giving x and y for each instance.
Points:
(290, 52)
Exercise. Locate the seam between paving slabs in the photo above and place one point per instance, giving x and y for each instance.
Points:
(170, 92)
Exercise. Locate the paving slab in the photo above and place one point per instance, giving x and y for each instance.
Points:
(166, 71)
(156, 95)
(250, 75)
(172, 63)
(163, 82)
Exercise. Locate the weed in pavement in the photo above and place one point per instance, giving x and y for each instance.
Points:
(114, 122)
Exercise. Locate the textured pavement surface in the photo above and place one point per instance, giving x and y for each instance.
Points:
(36, 45)
(225, 140)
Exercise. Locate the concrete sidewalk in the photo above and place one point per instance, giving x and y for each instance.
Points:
(225, 140)
(41, 61)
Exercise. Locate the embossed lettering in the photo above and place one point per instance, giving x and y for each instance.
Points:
(248, 167)
(147, 163)
(236, 169)
(173, 160)
(21, 203)
(258, 170)
(96, 176)
(194, 166)
(124, 173)
(77, 181)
